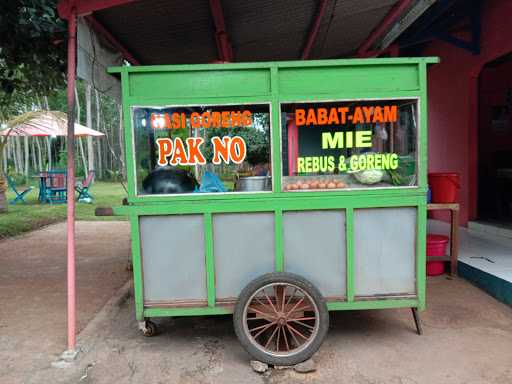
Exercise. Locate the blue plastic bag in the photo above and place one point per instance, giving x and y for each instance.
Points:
(210, 183)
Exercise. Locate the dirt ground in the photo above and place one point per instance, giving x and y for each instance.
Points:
(467, 339)
(467, 334)
(33, 290)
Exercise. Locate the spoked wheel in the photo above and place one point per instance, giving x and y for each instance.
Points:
(281, 319)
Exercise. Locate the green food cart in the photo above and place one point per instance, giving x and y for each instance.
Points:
(276, 192)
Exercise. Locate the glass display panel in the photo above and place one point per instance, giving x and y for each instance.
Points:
(349, 144)
(202, 149)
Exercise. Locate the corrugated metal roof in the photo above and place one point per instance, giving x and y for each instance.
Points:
(352, 22)
(162, 31)
(268, 30)
(172, 32)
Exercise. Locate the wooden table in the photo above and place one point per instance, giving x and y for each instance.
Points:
(454, 234)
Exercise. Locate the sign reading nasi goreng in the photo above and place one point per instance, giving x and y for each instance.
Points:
(227, 149)
(344, 119)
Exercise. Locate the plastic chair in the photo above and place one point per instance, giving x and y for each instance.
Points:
(56, 187)
(20, 196)
(83, 187)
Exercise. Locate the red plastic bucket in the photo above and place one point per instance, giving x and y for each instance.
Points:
(436, 246)
(444, 186)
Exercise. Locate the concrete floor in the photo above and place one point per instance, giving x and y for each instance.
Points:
(467, 334)
(487, 248)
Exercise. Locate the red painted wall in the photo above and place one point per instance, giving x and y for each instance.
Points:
(453, 100)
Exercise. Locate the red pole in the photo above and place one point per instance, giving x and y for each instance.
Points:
(71, 180)
(221, 36)
(314, 30)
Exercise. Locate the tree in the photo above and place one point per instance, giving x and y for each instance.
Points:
(88, 115)
(3, 182)
(33, 51)
(256, 136)
(32, 59)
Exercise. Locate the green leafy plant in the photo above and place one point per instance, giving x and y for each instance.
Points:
(33, 52)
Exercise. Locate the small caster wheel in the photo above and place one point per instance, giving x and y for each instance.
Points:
(148, 328)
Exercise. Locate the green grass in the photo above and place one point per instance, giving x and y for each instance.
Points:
(27, 217)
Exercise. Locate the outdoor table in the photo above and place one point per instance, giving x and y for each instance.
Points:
(52, 188)
(338, 222)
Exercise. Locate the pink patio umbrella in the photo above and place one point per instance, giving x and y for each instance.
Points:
(45, 123)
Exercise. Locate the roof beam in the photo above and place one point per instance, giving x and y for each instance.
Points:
(409, 18)
(392, 17)
(472, 45)
(438, 24)
(423, 27)
(314, 30)
(100, 29)
(84, 7)
(221, 36)
(392, 51)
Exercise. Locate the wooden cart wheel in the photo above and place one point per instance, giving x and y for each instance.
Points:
(281, 319)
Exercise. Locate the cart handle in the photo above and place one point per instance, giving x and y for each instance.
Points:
(108, 211)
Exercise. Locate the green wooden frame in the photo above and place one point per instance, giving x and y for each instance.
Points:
(275, 83)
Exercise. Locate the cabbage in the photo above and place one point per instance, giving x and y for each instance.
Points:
(369, 176)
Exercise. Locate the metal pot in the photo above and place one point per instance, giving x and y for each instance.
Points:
(254, 183)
